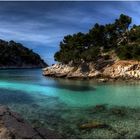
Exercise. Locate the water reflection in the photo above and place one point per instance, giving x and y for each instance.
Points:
(70, 85)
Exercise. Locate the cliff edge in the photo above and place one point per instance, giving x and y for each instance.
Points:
(102, 69)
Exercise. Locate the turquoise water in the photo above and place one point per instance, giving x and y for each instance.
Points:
(72, 93)
(51, 102)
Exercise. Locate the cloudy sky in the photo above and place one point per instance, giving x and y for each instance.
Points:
(42, 25)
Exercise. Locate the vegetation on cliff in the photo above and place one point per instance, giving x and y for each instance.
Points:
(14, 54)
(100, 41)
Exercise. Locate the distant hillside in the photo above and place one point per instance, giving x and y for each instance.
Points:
(15, 55)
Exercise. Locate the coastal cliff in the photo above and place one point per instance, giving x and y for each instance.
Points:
(120, 69)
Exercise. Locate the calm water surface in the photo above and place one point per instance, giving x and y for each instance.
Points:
(31, 85)
(45, 100)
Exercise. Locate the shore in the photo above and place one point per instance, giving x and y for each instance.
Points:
(13, 126)
(102, 70)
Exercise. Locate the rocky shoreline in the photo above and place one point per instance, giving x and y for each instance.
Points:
(13, 126)
(102, 70)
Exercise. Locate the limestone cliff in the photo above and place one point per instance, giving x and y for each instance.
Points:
(100, 69)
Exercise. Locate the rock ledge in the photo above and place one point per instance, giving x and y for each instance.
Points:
(13, 126)
(121, 69)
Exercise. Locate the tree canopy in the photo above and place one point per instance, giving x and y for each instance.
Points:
(117, 36)
(14, 54)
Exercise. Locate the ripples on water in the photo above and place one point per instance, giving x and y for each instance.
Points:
(64, 105)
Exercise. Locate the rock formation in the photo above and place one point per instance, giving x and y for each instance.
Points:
(124, 69)
(101, 69)
(13, 126)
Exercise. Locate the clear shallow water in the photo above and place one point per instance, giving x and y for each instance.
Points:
(60, 103)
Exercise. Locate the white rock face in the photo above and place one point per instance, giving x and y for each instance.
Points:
(127, 69)
(118, 69)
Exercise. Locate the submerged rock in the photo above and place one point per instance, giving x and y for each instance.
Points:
(94, 124)
(100, 108)
(118, 112)
(12, 125)
(47, 133)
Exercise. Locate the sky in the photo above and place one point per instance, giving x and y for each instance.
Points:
(42, 25)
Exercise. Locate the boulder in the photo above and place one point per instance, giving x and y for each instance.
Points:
(48, 134)
(118, 112)
(100, 108)
(102, 80)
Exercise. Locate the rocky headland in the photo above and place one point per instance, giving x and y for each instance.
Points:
(102, 70)
(110, 51)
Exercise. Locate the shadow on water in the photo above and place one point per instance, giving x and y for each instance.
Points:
(8, 96)
(70, 85)
(73, 87)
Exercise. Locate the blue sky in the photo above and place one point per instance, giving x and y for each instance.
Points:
(42, 25)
